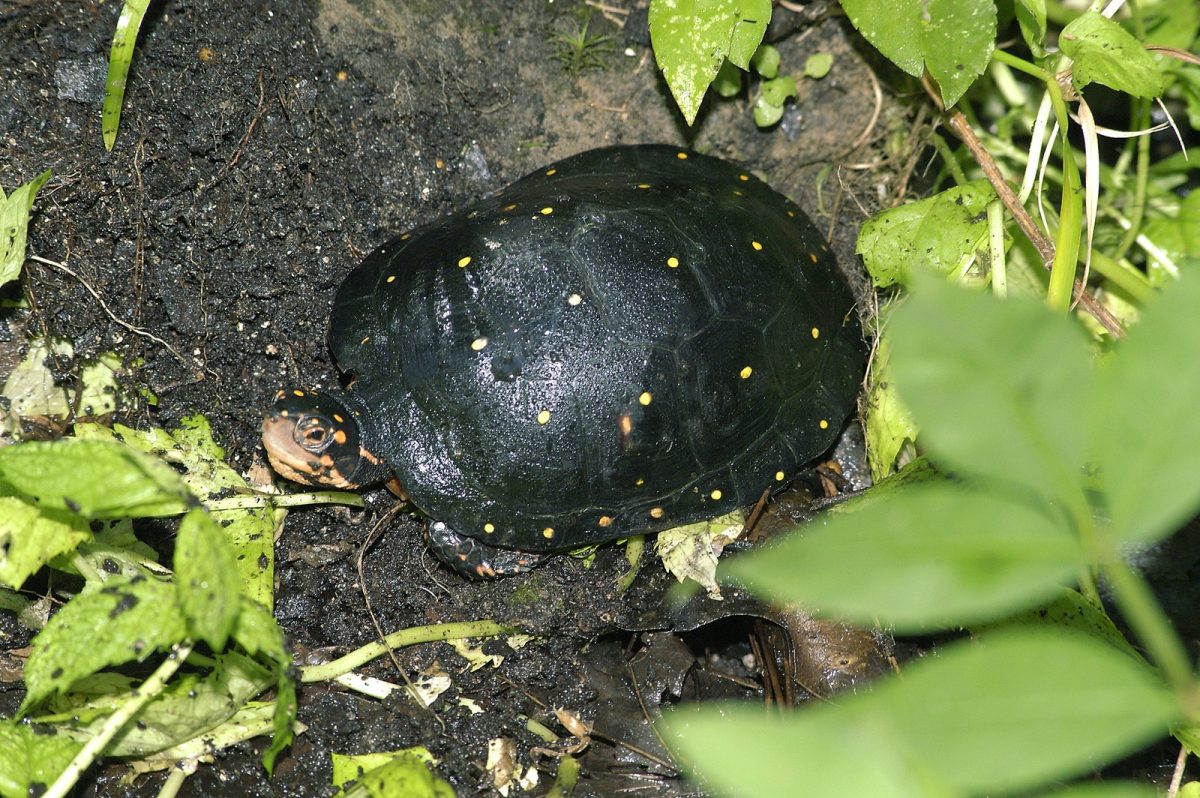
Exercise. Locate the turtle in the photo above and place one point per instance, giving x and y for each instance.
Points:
(630, 339)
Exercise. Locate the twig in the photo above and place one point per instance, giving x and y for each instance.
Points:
(105, 308)
(962, 128)
(259, 113)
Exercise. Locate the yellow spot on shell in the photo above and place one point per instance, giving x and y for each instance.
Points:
(543, 417)
(639, 482)
(745, 373)
(791, 213)
(757, 246)
(338, 418)
(391, 278)
(716, 495)
(824, 424)
(646, 398)
(546, 211)
(462, 262)
(574, 299)
(643, 185)
(779, 475)
(657, 512)
(743, 177)
(681, 156)
(816, 333)
(605, 520)
(812, 256)
(489, 528)
(479, 343)
(298, 392)
(673, 262)
(405, 236)
(737, 193)
(508, 208)
(364, 341)
(550, 172)
(548, 532)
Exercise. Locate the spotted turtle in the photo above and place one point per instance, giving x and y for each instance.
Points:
(627, 340)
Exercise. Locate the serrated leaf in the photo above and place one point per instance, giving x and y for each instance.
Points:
(30, 538)
(973, 371)
(15, 210)
(92, 478)
(1103, 52)
(935, 234)
(692, 38)
(206, 579)
(31, 758)
(933, 557)
(1143, 421)
(893, 27)
(121, 621)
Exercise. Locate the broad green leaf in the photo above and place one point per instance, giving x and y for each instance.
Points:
(1177, 235)
(957, 39)
(692, 38)
(119, 59)
(953, 39)
(1143, 421)
(14, 224)
(348, 767)
(1172, 23)
(121, 621)
(30, 537)
(206, 579)
(1103, 52)
(976, 373)
(819, 752)
(1018, 709)
(1031, 16)
(933, 557)
(33, 390)
(259, 633)
(940, 234)
(402, 777)
(31, 757)
(893, 27)
(1072, 611)
(728, 81)
(93, 478)
(1111, 789)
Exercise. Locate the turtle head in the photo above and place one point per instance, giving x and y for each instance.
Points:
(316, 439)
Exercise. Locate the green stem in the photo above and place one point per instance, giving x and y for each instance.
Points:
(253, 501)
(405, 637)
(995, 217)
(1122, 275)
(1137, 207)
(1021, 65)
(948, 158)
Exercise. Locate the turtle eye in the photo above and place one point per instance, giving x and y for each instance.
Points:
(313, 433)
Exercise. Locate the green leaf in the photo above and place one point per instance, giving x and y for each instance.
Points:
(206, 579)
(889, 423)
(692, 38)
(1072, 611)
(1177, 234)
(769, 107)
(1031, 16)
(1111, 789)
(95, 479)
(14, 224)
(938, 234)
(31, 758)
(817, 65)
(973, 370)
(33, 389)
(1172, 23)
(766, 61)
(1018, 709)
(817, 753)
(401, 773)
(953, 39)
(119, 59)
(957, 39)
(1143, 420)
(1008, 713)
(728, 81)
(933, 557)
(259, 633)
(1105, 53)
(125, 620)
(31, 537)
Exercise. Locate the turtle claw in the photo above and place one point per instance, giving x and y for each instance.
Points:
(475, 559)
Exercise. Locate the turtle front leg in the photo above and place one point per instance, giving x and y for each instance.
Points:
(475, 559)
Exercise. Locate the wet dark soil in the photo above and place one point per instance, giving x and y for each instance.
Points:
(264, 149)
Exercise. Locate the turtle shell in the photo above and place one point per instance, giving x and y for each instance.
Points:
(627, 340)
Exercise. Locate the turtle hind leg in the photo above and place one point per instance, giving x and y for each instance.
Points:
(475, 559)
